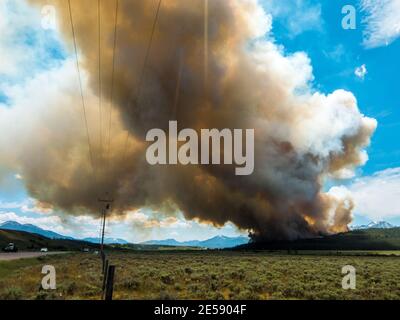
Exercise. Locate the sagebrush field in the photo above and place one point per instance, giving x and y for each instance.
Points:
(205, 275)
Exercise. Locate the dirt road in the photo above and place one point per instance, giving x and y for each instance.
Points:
(25, 255)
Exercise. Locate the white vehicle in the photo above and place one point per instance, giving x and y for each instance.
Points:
(44, 250)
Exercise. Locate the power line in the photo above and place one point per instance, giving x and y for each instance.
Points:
(206, 47)
(104, 216)
(148, 50)
(107, 202)
(80, 86)
(101, 229)
(142, 74)
(112, 76)
(100, 84)
(107, 206)
(178, 85)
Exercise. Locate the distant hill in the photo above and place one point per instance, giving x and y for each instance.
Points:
(32, 242)
(12, 225)
(219, 242)
(366, 239)
(166, 242)
(374, 225)
(106, 240)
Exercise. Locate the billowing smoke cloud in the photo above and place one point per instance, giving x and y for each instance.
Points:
(302, 136)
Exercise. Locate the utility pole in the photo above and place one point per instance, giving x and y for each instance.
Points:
(107, 206)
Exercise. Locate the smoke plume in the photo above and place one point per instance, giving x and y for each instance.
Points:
(243, 80)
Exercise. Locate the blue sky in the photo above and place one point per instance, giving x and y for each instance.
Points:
(336, 53)
(313, 27)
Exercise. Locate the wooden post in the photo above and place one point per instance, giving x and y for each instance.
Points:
(105, 270)
(102, 234)
(110, 283)
(103, 263)
(107, 207)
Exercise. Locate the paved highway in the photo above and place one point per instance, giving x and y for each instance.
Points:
(25, 255)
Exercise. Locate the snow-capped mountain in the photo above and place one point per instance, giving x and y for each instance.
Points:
(218, 242)
(374, 225)
(106, 240)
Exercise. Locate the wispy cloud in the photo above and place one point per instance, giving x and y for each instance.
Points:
(28, 205)
(382, 22)
(26, 49)
(298, 16)
(337, 53)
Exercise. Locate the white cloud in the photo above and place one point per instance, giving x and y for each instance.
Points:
(29, 205)
(378, 196)
(75, 226)
(23, 41)
(361, 71)
(382, 22)
(37, 207)
(298, 16)
(136, 227)
(18, 176)
(11, 205)
(53, 223)
(142, 220)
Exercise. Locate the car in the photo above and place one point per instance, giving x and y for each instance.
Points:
(44, 250)
(11, 247)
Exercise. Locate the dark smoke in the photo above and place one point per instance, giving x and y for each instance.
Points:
(302, 137)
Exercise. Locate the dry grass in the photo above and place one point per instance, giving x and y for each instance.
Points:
(204, 275)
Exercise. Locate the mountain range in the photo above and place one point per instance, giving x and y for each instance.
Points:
(218, 242)
(12, 225)
(106, 240)
(15, 226)
(374, 225)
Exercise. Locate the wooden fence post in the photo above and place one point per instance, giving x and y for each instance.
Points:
(105, 270)
(103, 262)
(110, 283)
